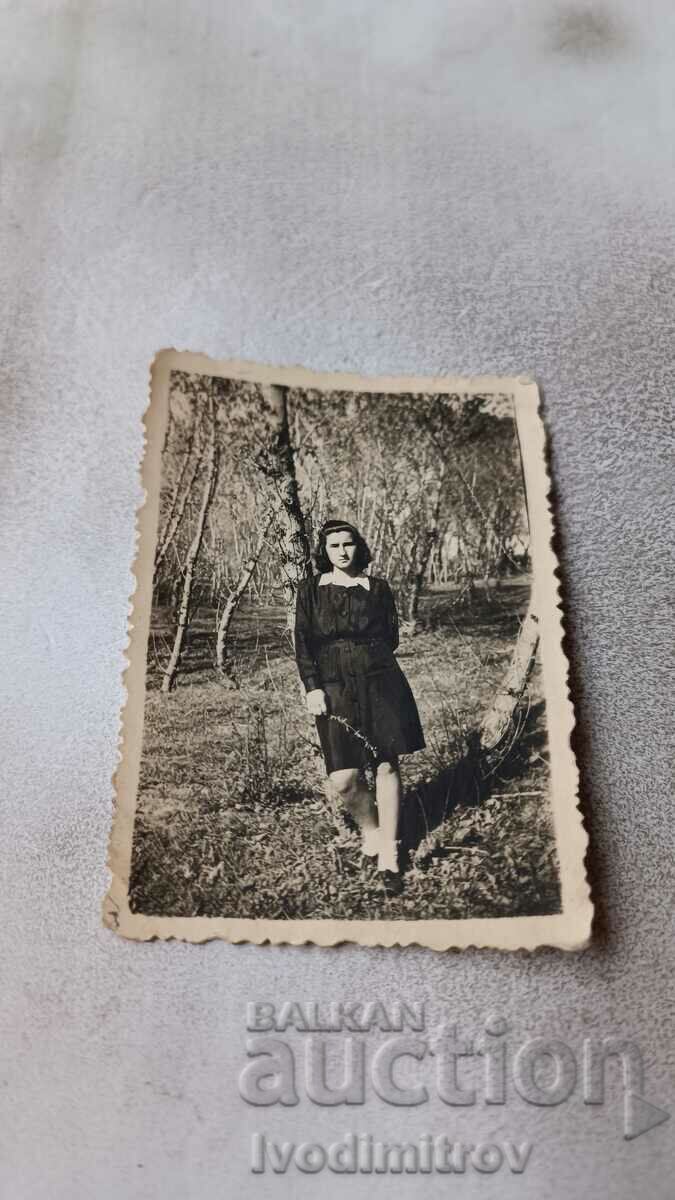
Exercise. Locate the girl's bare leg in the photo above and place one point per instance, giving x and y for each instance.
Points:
(389, 790)
(359, 802)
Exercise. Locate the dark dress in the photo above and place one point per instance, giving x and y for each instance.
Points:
(345, 639)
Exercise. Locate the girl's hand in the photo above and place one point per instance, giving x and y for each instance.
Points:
(316, 703)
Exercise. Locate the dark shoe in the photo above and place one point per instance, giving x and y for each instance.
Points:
(392, 882)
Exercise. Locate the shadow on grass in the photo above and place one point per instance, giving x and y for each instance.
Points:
(466, 783)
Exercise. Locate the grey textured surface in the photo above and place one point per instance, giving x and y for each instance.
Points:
(370, 187)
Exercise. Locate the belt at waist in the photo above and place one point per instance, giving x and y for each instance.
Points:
(358, 641)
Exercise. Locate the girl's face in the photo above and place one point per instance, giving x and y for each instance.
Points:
(341, 549)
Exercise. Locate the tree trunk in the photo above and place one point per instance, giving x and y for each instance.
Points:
(497, 721)
(434, 563)
(420, 563)
(376, 548)
(191, 561)
(288, 522)
(178, 505)
(372, 522)
(422, 555)
(233, 599)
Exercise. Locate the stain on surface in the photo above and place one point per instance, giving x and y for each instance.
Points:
(587, 31)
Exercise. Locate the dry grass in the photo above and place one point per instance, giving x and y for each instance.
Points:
(233, 819)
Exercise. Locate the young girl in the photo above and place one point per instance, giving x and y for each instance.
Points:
(346, 631)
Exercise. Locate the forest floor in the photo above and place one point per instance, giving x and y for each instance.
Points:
(233, 818)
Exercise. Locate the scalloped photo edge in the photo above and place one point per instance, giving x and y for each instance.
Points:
(568, 929)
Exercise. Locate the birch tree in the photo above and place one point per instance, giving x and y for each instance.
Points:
(170, 672)
(422, 552)
(182, 491)
(498, 720)
(233, 600)
(287, 523)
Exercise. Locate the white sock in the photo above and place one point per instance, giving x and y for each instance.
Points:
(370, 843)
(387, 859)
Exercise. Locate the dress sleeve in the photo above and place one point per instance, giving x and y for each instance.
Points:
(391, 615)
(304, 649)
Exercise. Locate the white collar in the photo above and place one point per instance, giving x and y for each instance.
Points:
(345, 580)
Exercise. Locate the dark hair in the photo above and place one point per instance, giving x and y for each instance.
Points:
(362, 556)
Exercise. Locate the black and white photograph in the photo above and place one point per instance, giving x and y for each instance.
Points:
(336, 590)
(345, 716)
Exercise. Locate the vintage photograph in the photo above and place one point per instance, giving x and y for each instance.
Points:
(348, 715)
